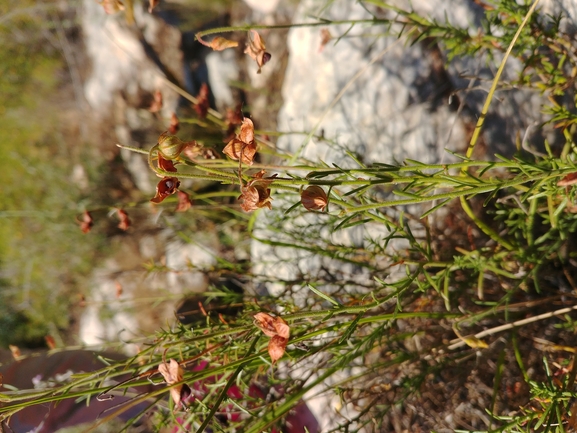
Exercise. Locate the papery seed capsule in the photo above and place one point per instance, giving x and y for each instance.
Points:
(314, 198)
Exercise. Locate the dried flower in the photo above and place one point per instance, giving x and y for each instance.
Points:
(314, 198)
(86, 223)
(233, 118)
(202, 103)
(277, 347)
(255, 195)
(166, 187)
(166, 164)
(192, 149)
(124, 220)
(219, 43)
(256, 49)
(265, 322)
(156, 105)
(184, 202)
(277, 329)
(173, 373)
(242, 147)
(325, 38)
(174, 124)
(271, 326)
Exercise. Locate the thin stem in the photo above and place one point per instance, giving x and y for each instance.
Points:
(485, 110)
(322, 22)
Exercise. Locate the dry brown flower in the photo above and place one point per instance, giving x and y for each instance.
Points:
(166, 187)
(124, 220)
(219, 43)
(256, 49)
(174, 125)
(256, 193)
(173, 373)
(243, 146)
(184, 202)
(202, 103)
(265, 322)
(314, 198)
(156, 105)
(237, 149)
(277, 347)
(255, 196)
(271, 325)
(277, 329)
(86, 223)
(192, 149)
(325, 38)
(165, 164)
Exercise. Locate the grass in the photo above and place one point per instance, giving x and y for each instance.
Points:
(418, 320)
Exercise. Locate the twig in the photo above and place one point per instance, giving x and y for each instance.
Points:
(460, 342)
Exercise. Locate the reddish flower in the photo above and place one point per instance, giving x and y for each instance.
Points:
(325, 38)
(174, 124)
(87, 222)
(156, 105)
(184, 202)
(202, 103)
(166, 164)
(232, 118)
(124, 220)
(166, 187)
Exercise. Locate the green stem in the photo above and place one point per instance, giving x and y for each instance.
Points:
(222, 394)
(485, 109)
(484, 227)
(247, 27)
